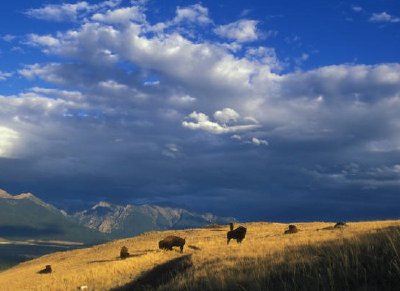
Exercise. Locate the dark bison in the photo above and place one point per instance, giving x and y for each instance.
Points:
(171, 241)
(340, 224)
(123, 254)
(238, 234)
(292, 229)
(46, 270)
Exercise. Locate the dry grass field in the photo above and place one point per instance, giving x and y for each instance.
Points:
(362, 256)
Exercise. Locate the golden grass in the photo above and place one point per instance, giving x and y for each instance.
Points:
(100, 268)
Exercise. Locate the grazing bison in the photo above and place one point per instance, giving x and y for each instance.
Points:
(171, 241)
(340, 224)
(46, 270)
(292, 229)
(238, 234)
(123, 254)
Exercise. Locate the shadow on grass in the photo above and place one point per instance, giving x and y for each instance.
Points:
(159, 275)
(134, 255)
(193, 247)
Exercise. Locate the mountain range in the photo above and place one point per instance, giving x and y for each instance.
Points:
(123, 221)
(26, 217)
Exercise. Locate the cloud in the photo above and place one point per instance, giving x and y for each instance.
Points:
(43, 40)
(241, 31)
(226, 115)
(8, 37)
(48, 72)
(122, 15)
(258, 142)
(63, 12)
(5, 75)
(384, 17)
(357, 8)
(171, 150)
(301, 59)
(182, 100)
(195, 13)
(8, 140)
(155, 105)
(202, 122)
(354, 174)
(236, 136)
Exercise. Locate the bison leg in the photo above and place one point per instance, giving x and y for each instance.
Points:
(181, 248)
(228, 241)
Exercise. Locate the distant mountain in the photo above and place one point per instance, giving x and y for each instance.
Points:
(26, 217)
(123, 221)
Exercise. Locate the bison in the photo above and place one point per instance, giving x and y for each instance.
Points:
(46, 270)
(171, 241)
(123, 254)
(292, 229)
(340, 224)
(238, 234)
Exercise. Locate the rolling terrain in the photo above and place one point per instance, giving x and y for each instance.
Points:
(363, 256)
(30, 227)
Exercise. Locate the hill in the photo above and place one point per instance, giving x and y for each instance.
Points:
(120, 221)
(362, 256)
(26, 217)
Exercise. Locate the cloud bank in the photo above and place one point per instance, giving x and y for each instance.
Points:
(150, 110)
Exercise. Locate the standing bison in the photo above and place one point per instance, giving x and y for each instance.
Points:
(292, 229)
(171, 241)
(123, 254)
(238, 233)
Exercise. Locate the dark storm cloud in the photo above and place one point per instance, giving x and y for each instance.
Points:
(138, 112)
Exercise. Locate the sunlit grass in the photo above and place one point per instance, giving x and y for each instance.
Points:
(266, 257)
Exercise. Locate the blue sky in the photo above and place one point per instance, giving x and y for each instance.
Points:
(273, 110)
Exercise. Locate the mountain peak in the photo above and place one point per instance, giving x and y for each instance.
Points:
(33, 198)
(102, 204)
(4, 194)
(25, 196)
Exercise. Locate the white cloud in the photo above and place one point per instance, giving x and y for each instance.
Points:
(8, 37)
(194, 13)
(357, 8)
(301, 59)
(171, 150)
(204, 75)
(258, 141)
(384, 17)
(63, 12)
(202, 122)
(151, 83)
(122, 15)
(48, 72)
(8, 140)
(182, 99)
(5, 75)
(43, 40)
(113, 85)
(226, 115)
(240, 31)
(62, 94)
(236, 136)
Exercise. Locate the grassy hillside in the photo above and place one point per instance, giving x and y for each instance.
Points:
(363, 256)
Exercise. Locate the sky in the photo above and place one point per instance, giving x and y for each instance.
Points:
(260, 110)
